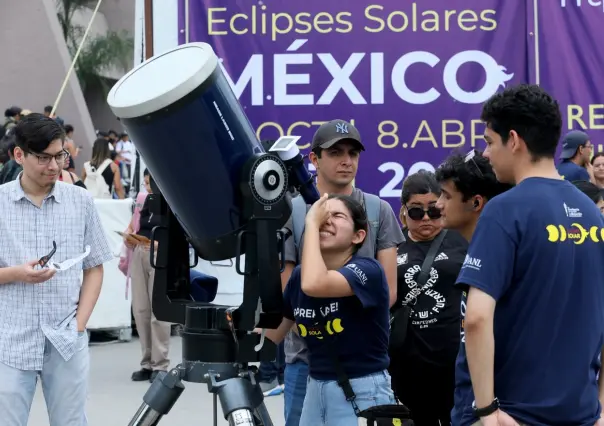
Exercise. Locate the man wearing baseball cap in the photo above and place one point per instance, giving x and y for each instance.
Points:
(575, 156)
(335, 152)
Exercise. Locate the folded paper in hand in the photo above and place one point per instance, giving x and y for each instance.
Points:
(66, 264)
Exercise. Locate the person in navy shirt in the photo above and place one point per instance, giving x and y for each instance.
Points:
(534, 316)
(340, 305)
(576, 155)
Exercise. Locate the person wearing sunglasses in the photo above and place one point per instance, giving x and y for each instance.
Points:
(423, 361)
(44, 310)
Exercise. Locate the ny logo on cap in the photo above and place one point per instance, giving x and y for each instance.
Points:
(341, 128)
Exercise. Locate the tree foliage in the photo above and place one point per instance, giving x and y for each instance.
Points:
(99, 54)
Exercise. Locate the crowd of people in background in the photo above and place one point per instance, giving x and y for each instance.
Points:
(468, 325)
(484, 308)
(107, 174)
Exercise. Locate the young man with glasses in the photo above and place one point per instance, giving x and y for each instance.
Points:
(44, 310)
(576, 157)
(534, 276)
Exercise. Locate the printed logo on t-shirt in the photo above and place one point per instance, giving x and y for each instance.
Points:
(472, 263)
(358, 272)
(441, 256)
(572, 212)
(464, 297)
(331, 326)
(402, 259)
(426, 302)
(576, 233)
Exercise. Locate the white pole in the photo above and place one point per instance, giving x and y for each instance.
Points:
(536, 41)
(186, 21)
(74, 60)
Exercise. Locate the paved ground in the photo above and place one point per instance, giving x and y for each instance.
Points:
(114, 399)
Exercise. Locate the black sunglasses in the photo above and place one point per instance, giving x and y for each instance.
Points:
(45, 259)
(417, 213)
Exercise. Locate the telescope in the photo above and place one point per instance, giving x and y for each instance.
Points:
(223, 195)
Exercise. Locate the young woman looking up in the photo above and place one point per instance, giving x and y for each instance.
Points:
(340, 305)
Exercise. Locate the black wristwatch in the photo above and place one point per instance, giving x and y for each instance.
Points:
(485, 411)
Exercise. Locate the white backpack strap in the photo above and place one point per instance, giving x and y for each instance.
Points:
(103, 166)
(88, 168)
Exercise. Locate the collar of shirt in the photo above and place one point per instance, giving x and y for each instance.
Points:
(17, 193)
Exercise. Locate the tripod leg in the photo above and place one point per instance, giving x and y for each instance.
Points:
(241, 401)
(262, 414)
(215, 408)
(159, 399)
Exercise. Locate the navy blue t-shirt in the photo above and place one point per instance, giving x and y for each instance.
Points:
(571, 172)
(538, 251)
(359, 323)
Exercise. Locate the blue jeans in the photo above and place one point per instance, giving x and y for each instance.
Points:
(296, 377)
(64, 383)
(269, 371)
(325, 403)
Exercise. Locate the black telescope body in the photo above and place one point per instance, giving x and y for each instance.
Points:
(219, 193)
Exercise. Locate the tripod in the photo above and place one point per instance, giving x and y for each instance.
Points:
(234, 384)
(217, 345)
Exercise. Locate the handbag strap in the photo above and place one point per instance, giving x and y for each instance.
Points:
(342, 378)
(424, 274)
(423, 277)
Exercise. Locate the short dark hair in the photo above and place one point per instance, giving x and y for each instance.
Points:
(531, 112)
(589, 189)
(146, 172)
(48, 108)
(12, 111)
(472, 177)
(35, 132)
(357, 213)
(422, 182)
(7, 146)
(68, 128)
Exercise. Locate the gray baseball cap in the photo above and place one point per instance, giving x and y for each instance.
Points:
(571, 143)
(335, 131)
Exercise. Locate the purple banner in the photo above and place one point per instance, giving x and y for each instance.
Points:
(411, 76)
(571, 62)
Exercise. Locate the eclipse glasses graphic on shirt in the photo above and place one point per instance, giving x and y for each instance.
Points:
(66, 264)
(576, 233)
(316, 330)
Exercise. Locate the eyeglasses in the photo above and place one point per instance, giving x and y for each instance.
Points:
(470, 157)
(44, 159)
(45, 259)
(417, 213)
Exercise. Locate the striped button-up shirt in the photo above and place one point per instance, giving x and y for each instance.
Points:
(32, 313)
